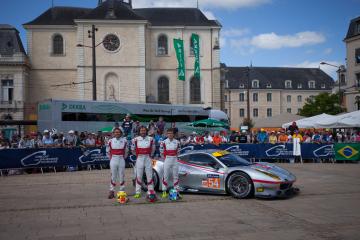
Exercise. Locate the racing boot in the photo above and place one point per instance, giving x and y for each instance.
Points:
(164, 194)
(111, 195)
(137, 195)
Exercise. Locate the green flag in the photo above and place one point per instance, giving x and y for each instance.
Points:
(347, 151)
(196, 46)
(179, 49)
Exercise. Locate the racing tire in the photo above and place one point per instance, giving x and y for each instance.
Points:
(239, 185)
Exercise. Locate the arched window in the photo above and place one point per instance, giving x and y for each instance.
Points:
(192, 52)
(195, 92)
(163, 90)
(162, 47)
(58, 45)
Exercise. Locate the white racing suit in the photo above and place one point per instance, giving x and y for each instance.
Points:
(169, 149)
(117, 150)
(143, 148)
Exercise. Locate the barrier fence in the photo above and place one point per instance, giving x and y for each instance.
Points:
(54, 157)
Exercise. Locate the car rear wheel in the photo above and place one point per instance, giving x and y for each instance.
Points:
(239, 185)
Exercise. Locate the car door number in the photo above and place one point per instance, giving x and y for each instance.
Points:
(211, 183)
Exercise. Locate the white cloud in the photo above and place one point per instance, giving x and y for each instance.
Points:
(208, 4)
(328, 51)
(274, 41)
(331, 71)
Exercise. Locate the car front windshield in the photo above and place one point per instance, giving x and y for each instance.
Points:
(232, 160)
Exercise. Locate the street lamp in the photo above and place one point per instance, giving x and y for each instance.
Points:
(340, 70)
(93, 47)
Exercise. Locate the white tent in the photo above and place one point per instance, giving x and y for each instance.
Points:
(309, 122)
(347, 120)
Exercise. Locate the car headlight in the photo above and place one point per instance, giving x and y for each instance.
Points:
(269, 174)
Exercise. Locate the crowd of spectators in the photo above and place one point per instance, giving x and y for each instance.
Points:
(53, 138)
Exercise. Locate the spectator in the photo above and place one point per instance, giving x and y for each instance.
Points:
(243, 137)
(127, 125)
(26, 142)
(200, 139)
(262, 137)
(71, 139)
(136, 129)
(152, 128)
(282, 138)
(224, 137)
(272, 138)
(90, 140)
(183, 139)
(192, 138)
(297, 139)
(293, 127)
(217, 139)
(207, 138)
(160, 125)
(47, 141)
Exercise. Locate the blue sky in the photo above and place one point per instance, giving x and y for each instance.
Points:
(265, 32)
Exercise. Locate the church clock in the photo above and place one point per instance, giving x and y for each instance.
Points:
(111, 42)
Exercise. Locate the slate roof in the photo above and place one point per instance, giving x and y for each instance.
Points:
(276, 76)
(175, 17)
(353, 30)
(114, 10)
(117, 10)
(59, 16)
(10, 42)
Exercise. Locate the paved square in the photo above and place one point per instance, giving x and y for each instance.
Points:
(74, 206)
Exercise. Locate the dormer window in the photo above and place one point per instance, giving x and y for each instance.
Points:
(268, 85)
(241, 86)
(255, 84)
(311, 84)
(288, 84)
(226, 83)
(299, 85)
(323, 85)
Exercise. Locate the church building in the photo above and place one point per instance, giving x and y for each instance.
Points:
(135, 57)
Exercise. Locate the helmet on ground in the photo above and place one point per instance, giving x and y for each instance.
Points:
(173, 195)
(121, 197)
(151, 196)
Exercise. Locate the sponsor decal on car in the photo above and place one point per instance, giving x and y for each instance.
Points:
(220, 153)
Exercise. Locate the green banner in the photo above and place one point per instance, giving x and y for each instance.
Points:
(179, 49)
(347, 151)
(196, 46)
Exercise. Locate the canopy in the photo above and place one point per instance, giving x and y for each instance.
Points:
(347, 120)
(310, 122)
(208, 123)
(106, 129)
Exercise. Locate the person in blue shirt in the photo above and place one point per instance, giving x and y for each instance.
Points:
(262, 136)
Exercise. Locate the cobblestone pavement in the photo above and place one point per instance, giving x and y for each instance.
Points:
(74, 206)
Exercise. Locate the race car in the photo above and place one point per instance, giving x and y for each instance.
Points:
(221, 172)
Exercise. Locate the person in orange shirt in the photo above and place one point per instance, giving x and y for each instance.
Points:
(283, 138)
(217, 139)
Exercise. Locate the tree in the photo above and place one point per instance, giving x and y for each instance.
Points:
(322, 103)
(248, 122)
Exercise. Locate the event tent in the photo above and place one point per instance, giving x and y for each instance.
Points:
(309, 122)
(347, 120)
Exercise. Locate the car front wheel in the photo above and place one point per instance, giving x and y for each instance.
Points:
(239, 185)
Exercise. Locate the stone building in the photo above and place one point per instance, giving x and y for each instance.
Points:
(352, 88)
(272, 90)
(135, 56)
(14, 74)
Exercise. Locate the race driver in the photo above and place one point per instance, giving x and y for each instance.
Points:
(117, 151)
(143, 147)
(169, 149)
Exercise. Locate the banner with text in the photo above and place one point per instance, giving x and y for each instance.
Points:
(180, 55)
(196, 47)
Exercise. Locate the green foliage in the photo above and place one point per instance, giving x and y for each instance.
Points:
(248, 122)
(322, 103)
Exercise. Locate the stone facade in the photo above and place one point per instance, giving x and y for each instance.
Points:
(352, 41)
(129, 74)
(14, 75)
